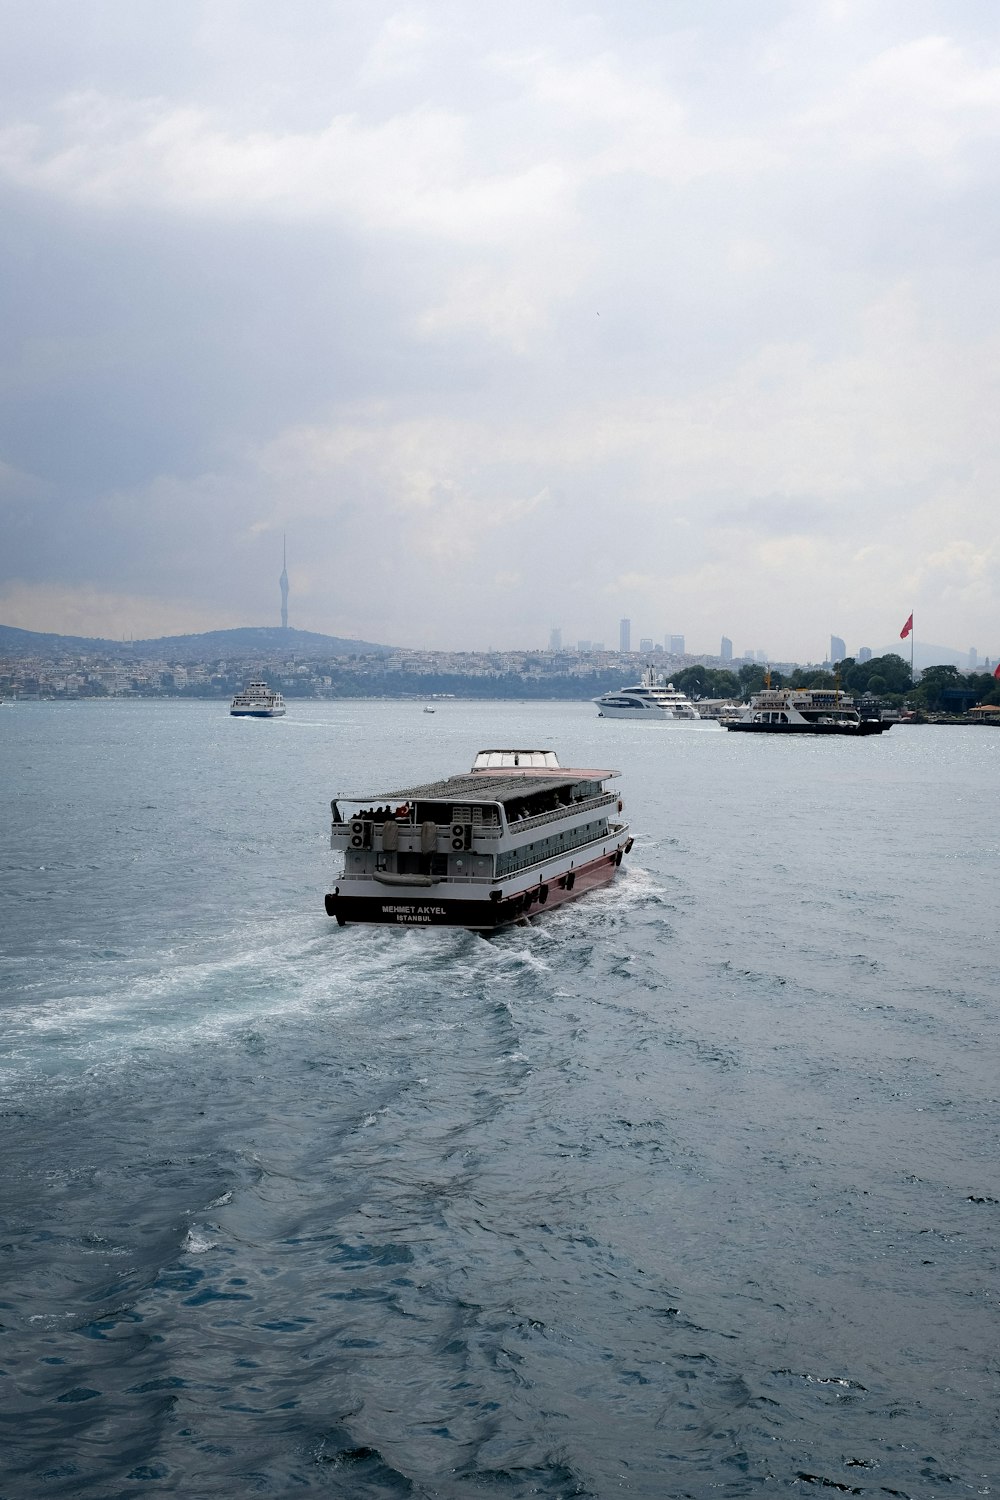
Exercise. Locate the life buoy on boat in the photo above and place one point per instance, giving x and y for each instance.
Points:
(458, 844)
(357, 841)
(458, 830)
(621, 805)
(358, 826)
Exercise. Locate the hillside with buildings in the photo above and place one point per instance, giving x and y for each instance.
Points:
(262, 642)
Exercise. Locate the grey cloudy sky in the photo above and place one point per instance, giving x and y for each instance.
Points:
(510, 316)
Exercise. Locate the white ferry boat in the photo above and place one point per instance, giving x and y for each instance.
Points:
(652, 700)
(257, 701)
(516, 835)
(804, 711)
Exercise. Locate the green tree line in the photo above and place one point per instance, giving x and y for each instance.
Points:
(939, 689)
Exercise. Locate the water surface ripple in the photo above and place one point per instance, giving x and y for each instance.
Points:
(688, 1189)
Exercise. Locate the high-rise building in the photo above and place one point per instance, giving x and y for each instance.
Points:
(555, 639)
(625, 635)
(675, 645)
(726, 649)
(837, 650)
(646, 644)
(283, 585)
(583, 645)
(864, 653)
(973, 658)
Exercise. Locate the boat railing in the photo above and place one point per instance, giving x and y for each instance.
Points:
(516, 868)
(604, 799)
(409, 831)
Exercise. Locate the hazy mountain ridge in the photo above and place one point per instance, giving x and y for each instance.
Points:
(265, 641)
(271, 643)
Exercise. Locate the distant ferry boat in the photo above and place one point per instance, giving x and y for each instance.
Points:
(516, 834)
(652, 700)
(804, 711)
(257, 701)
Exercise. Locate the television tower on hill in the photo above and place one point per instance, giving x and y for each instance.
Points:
(283, 584)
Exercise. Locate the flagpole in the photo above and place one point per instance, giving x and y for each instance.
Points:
(908, 630)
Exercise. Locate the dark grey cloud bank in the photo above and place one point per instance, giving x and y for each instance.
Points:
(508, 318)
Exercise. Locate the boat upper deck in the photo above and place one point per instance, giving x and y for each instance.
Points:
(513, 785)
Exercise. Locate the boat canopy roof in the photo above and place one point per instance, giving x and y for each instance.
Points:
(478, 787)
(542, 760)
(496, 776)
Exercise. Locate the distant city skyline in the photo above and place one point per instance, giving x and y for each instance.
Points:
(19, 645)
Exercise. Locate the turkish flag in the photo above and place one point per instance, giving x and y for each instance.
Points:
(996, 670)
(906, 629)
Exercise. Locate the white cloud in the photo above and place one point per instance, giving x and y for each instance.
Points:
(400, 50)
(412, 172)
(606, 319)
(924, 99)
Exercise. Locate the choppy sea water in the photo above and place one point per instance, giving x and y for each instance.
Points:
(690, 1188)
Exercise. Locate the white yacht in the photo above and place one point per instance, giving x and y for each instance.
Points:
(516, 834)
(257, 701)
(804, 711)
(652, 700)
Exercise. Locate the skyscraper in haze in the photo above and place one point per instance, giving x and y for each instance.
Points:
(837, 649)
(726, 651)
(625, 635)
(283, 585)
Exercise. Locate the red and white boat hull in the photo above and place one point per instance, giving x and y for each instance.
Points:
(510, 901)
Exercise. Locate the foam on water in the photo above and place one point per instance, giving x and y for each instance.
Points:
(687, 1188)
